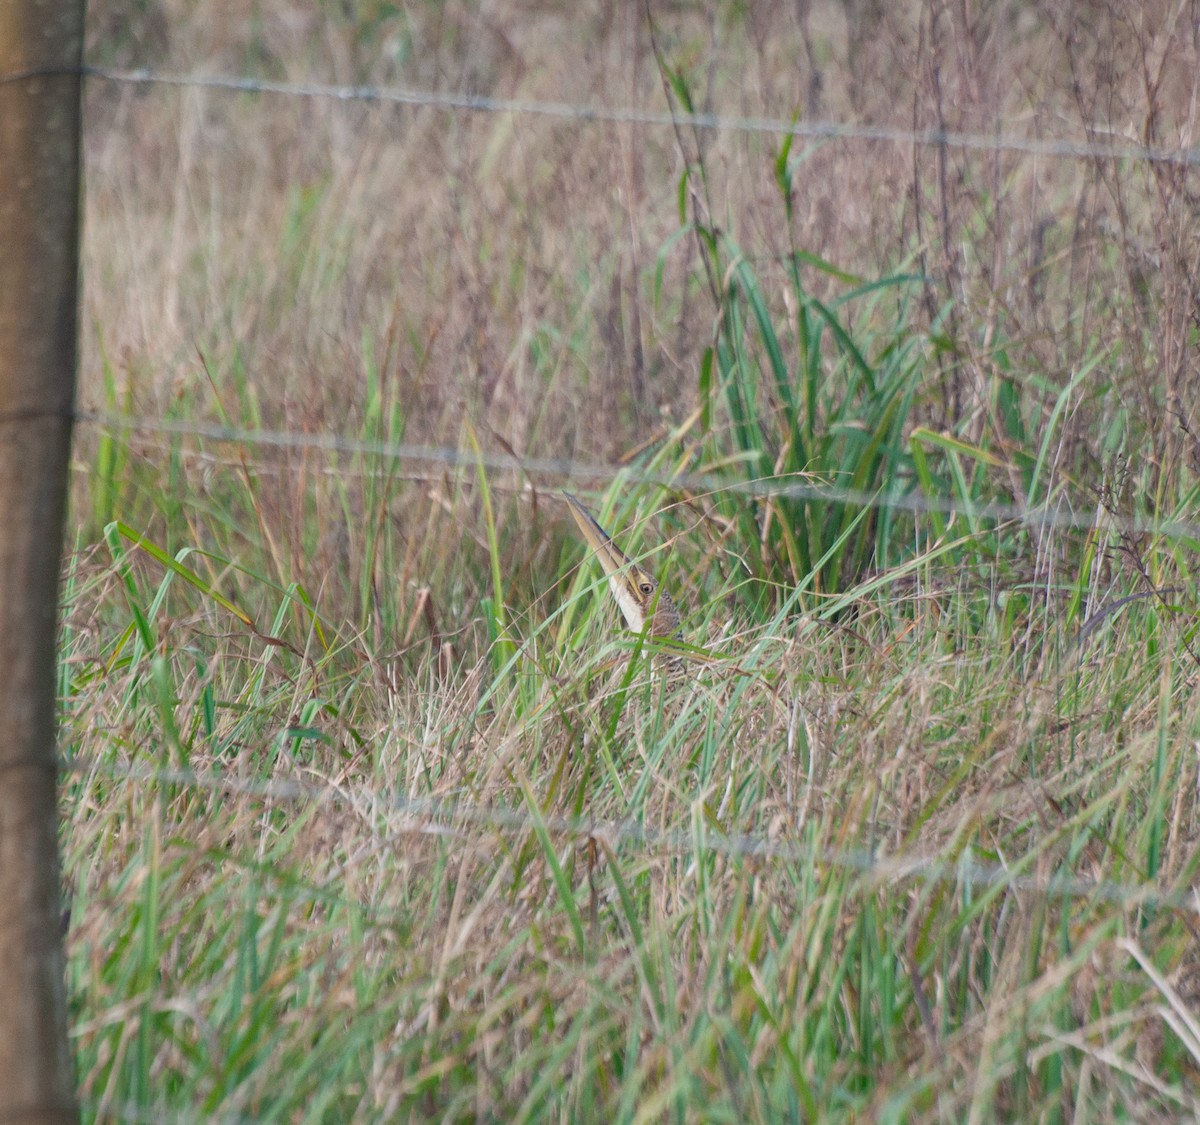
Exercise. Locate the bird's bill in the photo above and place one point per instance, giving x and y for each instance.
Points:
(598, 539)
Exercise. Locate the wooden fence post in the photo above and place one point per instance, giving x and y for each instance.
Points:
(40, 55)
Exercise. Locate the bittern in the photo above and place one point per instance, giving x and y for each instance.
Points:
(636, 590)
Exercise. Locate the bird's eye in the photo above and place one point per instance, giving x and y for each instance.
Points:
(647, 588)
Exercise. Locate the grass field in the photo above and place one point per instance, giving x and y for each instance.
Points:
(373, 811)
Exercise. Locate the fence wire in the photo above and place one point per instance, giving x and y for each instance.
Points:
(1119, 149)
(442, 817)
(1060, 515)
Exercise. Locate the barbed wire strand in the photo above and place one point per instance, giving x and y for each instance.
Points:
(563, 469)
(618, 115)
(440, 817)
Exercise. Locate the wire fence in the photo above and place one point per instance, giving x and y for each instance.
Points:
(1116, 149)
(447, 818)
(1062, 514)
(444, 817)
(1091, 149)
(451, 818)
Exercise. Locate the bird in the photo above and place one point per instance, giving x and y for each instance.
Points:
(636, 590)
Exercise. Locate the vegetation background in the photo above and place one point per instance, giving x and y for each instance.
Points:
(371, 810)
